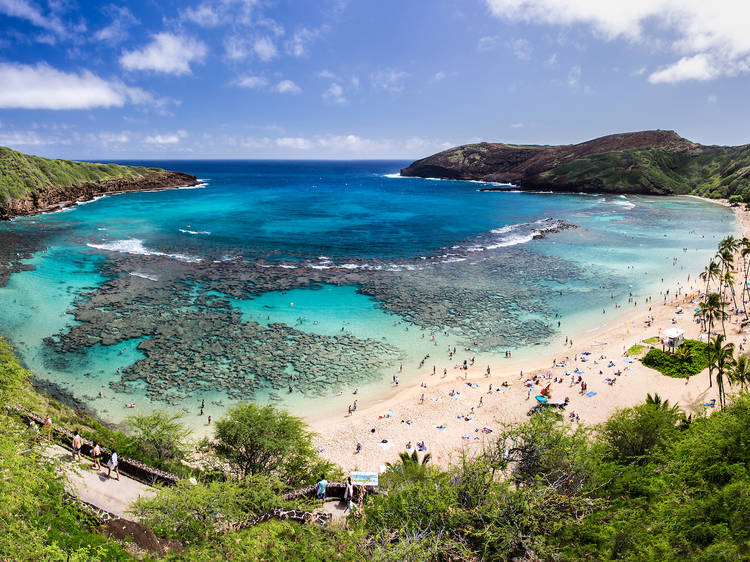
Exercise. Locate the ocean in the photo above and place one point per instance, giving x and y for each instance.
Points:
(298, 282)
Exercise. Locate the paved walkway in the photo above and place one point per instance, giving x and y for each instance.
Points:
(95, 488)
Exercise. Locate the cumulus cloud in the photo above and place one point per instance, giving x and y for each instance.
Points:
(698, 67)
(44, 87)
(167, 53)
(265, 49)
(710, 38)
(166, 138)
(287, 87)
(299, 143)
(205, 15)
(335, 93)
(253, 82)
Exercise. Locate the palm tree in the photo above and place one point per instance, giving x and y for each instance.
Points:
(723, 361)
(709, 273)
(659, 403)
(684, 354)
(744, 252)
(410, 467)
(711, 309)
(740, 373)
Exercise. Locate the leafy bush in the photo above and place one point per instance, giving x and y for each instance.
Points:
(694, 360)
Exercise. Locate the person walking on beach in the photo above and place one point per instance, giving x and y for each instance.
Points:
(77, 443)
(96, 454)
(113, 464)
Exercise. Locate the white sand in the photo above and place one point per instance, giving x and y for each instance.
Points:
(339, 433)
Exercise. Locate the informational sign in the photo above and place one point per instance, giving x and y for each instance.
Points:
(364, 478)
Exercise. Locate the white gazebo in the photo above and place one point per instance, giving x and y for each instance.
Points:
(674, 337)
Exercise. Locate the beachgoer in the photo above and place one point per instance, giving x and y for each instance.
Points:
(96, 454)
(320, 488)
(77, 443)
(209, 420)
(350, 410)
(358, 448)
(113, 464)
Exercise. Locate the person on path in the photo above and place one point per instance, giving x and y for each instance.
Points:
(320, 488)
(96, 454)
(113, 464)
(349, 493)
(77, 443)
(48, 428)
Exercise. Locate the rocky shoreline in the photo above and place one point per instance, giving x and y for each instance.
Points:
(50, 199)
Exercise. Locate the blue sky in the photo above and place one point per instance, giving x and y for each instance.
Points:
(364, 79)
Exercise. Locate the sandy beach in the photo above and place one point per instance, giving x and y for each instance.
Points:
(460, 407)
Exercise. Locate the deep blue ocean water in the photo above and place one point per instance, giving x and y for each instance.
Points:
(481, 271)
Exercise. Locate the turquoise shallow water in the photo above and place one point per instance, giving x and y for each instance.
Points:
(352, 271)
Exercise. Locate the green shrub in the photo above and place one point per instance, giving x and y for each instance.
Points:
(673, 365)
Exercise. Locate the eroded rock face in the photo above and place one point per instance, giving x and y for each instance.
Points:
(54, 198)
(527, 166)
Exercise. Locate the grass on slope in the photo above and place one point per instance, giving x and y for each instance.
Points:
(709, 171)
(20, 174)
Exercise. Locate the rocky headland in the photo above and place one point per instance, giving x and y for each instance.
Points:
(30, 184)
(646, 162)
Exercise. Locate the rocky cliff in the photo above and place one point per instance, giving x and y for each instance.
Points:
(648, 162)
(56, 197)
(31, 184)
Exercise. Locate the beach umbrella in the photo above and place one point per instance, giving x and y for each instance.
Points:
(541, 399)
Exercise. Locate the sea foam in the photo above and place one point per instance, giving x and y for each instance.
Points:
(136, 247)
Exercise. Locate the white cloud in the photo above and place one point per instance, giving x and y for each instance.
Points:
(521, 49)
(21, 138)
(712, 98)
(698, 67)
(327, 74)
(44, 87)
(300, 42)
(237, 47)
(253, 82)
(121, 18)
(166, 138)
(26, 10)
(168, 53)
(574, 75)
(335, 93)
(287, 87)
(552, 60)
(487, 43)
(114, 138)
(439, 76)
(205, 15)
(640, 71)
(265, 49)
(517, 125)
(299, 143)
(389, 80)
(710, 37)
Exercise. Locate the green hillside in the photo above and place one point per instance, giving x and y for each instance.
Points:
(20, 174)
(710, 171)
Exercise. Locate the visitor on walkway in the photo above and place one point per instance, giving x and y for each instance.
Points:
(113, 464)
(320, 487)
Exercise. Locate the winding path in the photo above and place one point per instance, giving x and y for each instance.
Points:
(93, 487)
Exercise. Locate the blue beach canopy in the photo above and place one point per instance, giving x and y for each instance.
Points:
(541, 398)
